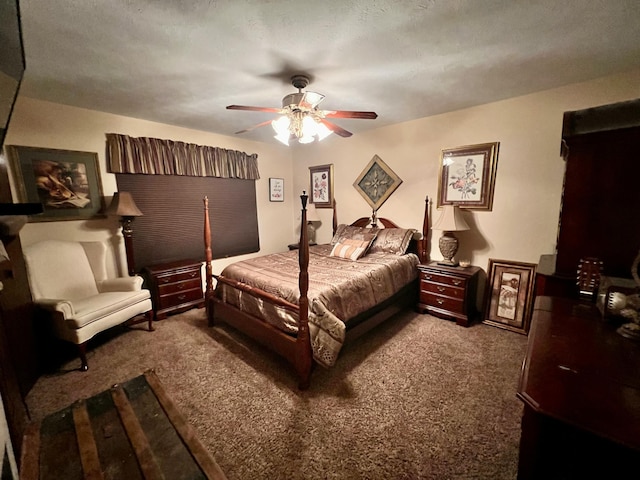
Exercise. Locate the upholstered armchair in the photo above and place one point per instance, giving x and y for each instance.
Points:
(69, 283)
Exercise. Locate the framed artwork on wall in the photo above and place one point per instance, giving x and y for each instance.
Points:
(276, 189)
(321, 185)
(510, 295)
(377, 182)
(467, 176)
(66, 182)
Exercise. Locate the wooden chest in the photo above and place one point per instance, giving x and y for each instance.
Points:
(132, 431)
(175, 286)
(449, 291)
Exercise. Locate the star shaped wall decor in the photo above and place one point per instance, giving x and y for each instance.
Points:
(377, 182)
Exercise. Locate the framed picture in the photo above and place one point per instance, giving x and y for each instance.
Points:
(321, 185)
(377, 182)
(67, 183)
(510, 295)
(467, 176)
(276, 189)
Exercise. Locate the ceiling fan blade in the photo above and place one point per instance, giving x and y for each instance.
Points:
(311, 99)
(336, 129)
(350, 114)
(255, 126)
(254, 109)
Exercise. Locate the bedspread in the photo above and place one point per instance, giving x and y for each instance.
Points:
(339, 290)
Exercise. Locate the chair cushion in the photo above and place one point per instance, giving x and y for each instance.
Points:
(95, 307)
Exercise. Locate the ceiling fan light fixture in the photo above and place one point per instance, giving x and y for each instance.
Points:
(322, 131)
(281, 125)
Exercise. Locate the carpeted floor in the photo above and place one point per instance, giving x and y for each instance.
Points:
(418, 397)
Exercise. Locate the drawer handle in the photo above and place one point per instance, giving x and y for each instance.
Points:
(441, 289)
(439, 301)
(165, 280)
(182, 297)
(193, 274)
(427, 277)
(181, 286)
(457, 282)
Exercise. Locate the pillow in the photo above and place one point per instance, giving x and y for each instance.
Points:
(392, 240)
(347, 231)
(352, 249)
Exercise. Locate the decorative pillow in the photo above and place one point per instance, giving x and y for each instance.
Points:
(352, 249)
(347, 231)
(392, 240)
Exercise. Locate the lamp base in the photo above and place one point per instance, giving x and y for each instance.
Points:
(448, 247)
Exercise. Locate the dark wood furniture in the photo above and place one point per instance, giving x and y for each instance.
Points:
(297, 349)
(296, 246)
(133, 430)
(581, 392)
(449, 291)
(175, 286)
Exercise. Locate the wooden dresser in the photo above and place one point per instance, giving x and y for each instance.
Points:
(449, 291)
(175, 286)
(581, 393)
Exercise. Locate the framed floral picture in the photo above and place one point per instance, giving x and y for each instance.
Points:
(66, 182)
(510, 295)
(276, 190)
(467, 176)
(321, 185)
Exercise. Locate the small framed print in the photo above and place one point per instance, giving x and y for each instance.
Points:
(276, 189)
(510, 295)
(67, 183)
(467, 176)
(321, 185)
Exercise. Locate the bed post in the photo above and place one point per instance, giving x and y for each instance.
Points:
(422, 249)
(208, 257)
(335, 217)
(303, 341)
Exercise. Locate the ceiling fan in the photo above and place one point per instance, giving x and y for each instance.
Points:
(301, 118)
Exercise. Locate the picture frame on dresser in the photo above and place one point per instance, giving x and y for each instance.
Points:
(467, 176)
(510, 295)
(66, 182)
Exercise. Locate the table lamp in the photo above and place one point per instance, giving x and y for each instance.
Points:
(123, 206)
(312, 216)
(450, 221)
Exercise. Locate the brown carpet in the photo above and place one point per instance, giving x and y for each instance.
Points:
(418, 397)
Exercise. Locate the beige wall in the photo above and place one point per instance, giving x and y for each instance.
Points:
(37, 123)
(521, 226)
(523, 222)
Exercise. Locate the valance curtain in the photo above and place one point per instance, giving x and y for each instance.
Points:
(166, 157)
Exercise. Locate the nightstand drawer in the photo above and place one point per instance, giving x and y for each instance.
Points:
(445, 279)
(441, 289)
(453, 305)
(179, 298)
(178, 276)
(179, 286)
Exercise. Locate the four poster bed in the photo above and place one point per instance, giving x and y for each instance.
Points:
(305, 304)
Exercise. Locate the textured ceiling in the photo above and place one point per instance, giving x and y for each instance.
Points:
(182, 62)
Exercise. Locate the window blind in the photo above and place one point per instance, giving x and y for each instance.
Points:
(171, 227)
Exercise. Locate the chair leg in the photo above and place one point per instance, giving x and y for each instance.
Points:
(150, 317)
(82, 350)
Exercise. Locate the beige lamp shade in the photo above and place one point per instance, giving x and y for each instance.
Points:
(451, 220)
(123, 205)
(312, 213)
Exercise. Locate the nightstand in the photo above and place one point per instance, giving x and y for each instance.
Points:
(175, 286)
(449, 291)
(296, 246)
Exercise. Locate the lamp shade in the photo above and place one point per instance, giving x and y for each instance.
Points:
(123, 205)
(450, 220)
(312, 213)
